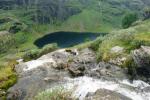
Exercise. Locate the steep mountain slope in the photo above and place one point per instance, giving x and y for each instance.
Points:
(77, 15)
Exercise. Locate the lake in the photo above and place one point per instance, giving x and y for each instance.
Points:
(66, 39)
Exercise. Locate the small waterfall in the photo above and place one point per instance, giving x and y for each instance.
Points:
(84, 85)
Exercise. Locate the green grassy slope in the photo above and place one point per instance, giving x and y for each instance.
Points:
(130, 39)
(73, 15)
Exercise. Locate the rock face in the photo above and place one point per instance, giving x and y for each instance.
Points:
(38, 75)
(142, 59)
(81, 64)
(55, 68)
(103, 94)
(108, 71)
(48, 71)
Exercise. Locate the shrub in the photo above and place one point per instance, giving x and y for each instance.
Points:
(7, 77)
(33, 54)
(95, 44)
(128, 19)
(54, 94)
(20, 38)
(131, 66)
(6, 42)
(48, 48)
(36, 53)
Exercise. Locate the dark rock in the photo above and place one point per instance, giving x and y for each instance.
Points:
(76, 70)
(142, 57)
(103, 94)
(104, 69)
(142, 60)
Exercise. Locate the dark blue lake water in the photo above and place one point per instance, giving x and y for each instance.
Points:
(65, 39)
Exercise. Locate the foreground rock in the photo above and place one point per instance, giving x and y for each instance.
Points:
(38, 75)
(55, 68)
(103, 94)
(50, 70)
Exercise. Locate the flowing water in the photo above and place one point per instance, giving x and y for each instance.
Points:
(84, 85)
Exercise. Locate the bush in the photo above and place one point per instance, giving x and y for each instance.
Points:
(128, 19)
(7, 78)
(48, 48)
(54, 94)
(95, 44)
(33, 54)
(6, 42)
(131, 66)
(36, 53)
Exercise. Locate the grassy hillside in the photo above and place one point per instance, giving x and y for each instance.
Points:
(129, 39)
(71, 14)
(27, 20)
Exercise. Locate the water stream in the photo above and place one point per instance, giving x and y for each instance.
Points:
(83, 85)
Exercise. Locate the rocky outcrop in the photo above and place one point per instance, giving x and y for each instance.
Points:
(37, 75)
(108, 71)
(142, 57)
(81, 64)
(142, 60)
(63, 67)
(48, 71)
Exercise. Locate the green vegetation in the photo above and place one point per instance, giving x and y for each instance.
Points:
(130, 39)
(25, 21)
(7, 77)
(128, 19)
(54, 94)
(34, 54)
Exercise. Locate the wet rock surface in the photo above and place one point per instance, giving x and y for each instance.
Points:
(108, 71)
(103, 94)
